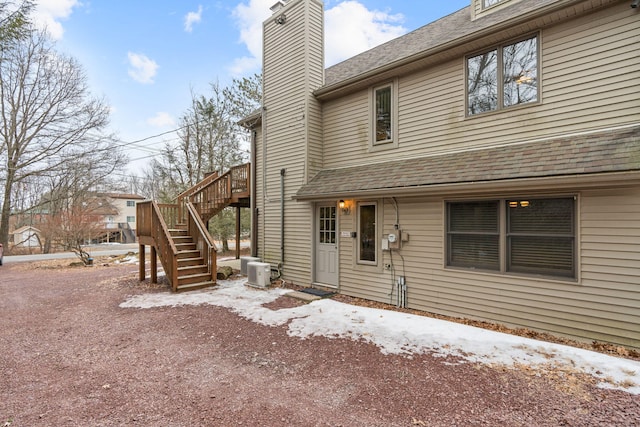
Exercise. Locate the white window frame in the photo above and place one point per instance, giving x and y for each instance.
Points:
(486, 4)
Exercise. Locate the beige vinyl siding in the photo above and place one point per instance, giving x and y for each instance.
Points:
(604, 304)
(292, 67)
(587, 74)
(315, 78)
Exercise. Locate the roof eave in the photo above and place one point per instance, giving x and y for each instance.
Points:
(474, 188)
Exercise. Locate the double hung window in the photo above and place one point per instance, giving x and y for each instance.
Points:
(532, 236)
(503, 77)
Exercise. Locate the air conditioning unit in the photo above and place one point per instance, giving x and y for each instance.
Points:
(246, 260)
(258, 274)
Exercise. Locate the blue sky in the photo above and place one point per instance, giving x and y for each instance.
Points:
(145, 57)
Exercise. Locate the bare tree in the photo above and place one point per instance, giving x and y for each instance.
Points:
(49, 123)
(210, 137)
(72, 228)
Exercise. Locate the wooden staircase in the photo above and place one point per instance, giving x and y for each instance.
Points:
(193, 270)
(178, 235)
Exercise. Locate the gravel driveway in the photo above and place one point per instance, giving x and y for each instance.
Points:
(70, 356)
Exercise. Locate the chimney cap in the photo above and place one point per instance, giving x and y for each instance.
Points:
(276, 7)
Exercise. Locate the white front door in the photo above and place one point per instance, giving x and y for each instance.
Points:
(326, 230)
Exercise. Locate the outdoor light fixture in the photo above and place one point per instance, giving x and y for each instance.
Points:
(344, 208)
(280, 20)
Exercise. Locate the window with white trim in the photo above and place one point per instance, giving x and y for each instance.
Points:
(367, 233)
(503, 77)
(489, 3)
(384, 116)
(530, 236)
(131, 204)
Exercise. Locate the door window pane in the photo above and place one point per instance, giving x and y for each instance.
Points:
(327, 224)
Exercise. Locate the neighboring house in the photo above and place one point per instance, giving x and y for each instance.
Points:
(119, 213)
(488, 163)
(26, 237)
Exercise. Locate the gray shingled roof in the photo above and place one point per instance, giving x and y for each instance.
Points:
(603, 152)
(453, 27)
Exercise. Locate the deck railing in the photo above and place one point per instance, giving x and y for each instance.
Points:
(203, 240)
(212, 196)
(151, 225)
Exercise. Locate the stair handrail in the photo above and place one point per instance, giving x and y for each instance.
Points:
(204, 242)
(186, 195)
(232, 184)
(168, 253)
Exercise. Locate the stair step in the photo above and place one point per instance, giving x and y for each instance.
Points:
(187, 246)
(192, 269)
(185, 262)
(182, 239)
(195, 286)
(193, 278)
(188, 254)
(175, 232)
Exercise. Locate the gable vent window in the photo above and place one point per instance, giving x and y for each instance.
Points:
(503, 77)
(489, 3)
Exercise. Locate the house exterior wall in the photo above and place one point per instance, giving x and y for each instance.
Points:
(124, 211)
(289, 142)
(603, 303)
(587, 70)
(588, 66)
(478, 11)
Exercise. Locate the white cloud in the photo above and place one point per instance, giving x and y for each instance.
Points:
(162, 120)
(192, 18)
(363, 28)
(347, 20)
(141, 68)
(249, 19)
(49, 13)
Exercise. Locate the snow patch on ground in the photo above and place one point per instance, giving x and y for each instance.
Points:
(402, 333)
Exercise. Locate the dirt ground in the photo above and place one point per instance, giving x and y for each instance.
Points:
(70, 356)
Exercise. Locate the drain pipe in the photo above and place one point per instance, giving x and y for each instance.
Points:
(282, 173)
(252, 198)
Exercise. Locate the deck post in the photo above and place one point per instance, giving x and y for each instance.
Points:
(141, 260)
(154, 265)
(238, 233)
